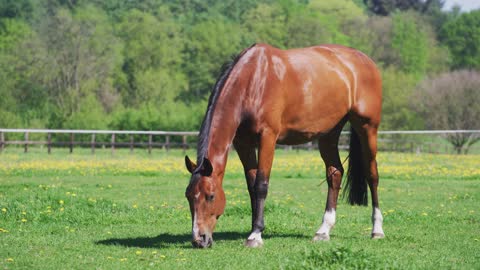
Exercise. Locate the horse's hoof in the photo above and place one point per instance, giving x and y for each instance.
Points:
(378, 235)
(321, 237)
(253, 243)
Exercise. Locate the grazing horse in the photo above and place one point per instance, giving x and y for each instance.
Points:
(268, 96)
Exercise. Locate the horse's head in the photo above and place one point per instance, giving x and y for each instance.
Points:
(206, 199)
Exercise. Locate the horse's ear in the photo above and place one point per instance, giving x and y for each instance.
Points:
(190, 165)
(207, 168)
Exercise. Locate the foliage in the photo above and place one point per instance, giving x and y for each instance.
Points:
(121, 57)
(452, 101)
(462, 35)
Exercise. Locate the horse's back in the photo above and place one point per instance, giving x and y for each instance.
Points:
(313, 88)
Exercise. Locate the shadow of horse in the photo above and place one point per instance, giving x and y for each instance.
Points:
(166, 240)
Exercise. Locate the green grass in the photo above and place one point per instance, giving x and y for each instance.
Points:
(66, 218)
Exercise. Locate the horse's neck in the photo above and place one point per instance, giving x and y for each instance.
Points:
(225, 122)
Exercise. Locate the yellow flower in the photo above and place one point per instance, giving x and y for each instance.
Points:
(24, 220)
(61, 202)
(3, 230)
(9, 259)
(123, 259)
(4, 210)
(163, 256)
(135, 206)
(138, 252)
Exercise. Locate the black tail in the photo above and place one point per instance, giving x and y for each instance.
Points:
(356, 184)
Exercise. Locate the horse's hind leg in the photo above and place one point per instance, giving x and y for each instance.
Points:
(328, 147)
(367, 134)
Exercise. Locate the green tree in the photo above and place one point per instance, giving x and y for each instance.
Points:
(82, 54)
(397, 113)
(211, 44)
(410, 41)
(153, 58)
(462, 36)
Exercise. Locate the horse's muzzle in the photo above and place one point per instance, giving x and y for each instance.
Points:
(204, 241)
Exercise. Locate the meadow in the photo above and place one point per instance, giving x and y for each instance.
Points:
(128, 211)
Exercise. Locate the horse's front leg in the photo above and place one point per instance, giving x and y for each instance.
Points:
(246, 152)
(259, 189)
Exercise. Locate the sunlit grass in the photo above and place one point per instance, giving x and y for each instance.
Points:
(128, 211)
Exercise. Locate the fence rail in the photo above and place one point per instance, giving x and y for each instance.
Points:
(389, 140)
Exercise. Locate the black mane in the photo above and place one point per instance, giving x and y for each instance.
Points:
(207, 121)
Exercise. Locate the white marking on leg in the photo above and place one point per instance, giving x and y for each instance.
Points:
(327, 224)
(254, 240)
(377, 220)
(255, 236)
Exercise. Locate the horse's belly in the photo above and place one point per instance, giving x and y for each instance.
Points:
(292, 137)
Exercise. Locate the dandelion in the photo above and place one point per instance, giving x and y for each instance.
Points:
(123, 259)
(24, 220)
(135, 206)
(109, 186)
(61, 202)
(24, 213)
(9, 259)
(424, 214)
(138, 252)
(3, 230)
(163, 256)
(4, 210)
(151, 207)
(61, 209)
(154, 252)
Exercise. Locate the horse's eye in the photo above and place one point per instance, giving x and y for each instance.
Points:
(210, 197)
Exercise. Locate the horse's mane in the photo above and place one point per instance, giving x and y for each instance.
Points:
(202, 146)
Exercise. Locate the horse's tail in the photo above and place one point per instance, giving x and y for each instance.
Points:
(356, 184)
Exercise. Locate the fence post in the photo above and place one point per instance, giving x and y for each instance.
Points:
(167, 143)
(2, 141)
(184, 142)
(113, 144)
(26, 142)
(131, 144)
(49, 143)
(71, 143)
(93, 143)
(149, 143)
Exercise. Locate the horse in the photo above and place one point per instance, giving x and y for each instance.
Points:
(268, 96)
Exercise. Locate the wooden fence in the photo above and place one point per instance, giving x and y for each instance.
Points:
(388, 140)
(93, 143)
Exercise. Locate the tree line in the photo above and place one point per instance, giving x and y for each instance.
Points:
(151, 64)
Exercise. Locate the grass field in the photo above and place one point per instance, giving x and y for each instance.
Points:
(129, 212)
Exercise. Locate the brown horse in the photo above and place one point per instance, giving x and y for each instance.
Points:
(268, 95)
